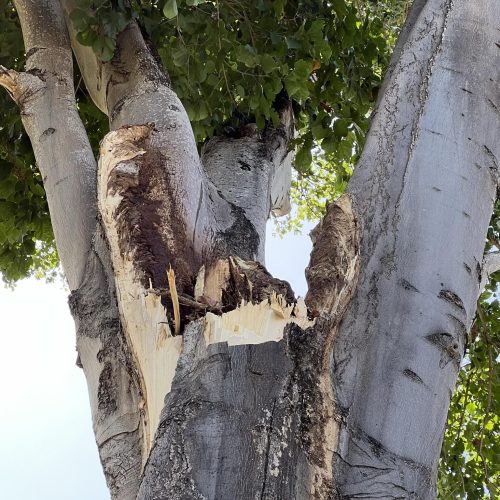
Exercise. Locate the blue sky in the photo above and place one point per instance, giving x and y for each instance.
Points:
(48, 450)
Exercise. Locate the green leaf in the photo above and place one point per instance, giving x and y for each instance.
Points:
(170, 9)
(247, 55)
(303, 159)
(340, 128)
(339, 6)
(80, 19)
(180, 56)
(267, 63)
(87, 38)
(5, 169)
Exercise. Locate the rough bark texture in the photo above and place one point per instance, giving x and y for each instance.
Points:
(348, 400)
(116, 397)
(423, 192)
(45, 95)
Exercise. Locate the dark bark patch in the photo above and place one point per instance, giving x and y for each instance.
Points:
(33, 51)
(46, 133)
(251, 281)
(460, 330)
(467, 268)
(493, 105)
(310, 351)
(244, 165)
(408, 286)
(492, 157)
(412, 376)
(452, 298)
(449, 347)
(466, 90)
(436, 189)
(434, 132)
(146, 221)
(106, 390)
(241, 239)
(115, 111)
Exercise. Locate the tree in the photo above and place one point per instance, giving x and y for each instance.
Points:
(207, 378)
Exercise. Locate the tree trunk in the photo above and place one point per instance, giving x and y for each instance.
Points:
(210, 380)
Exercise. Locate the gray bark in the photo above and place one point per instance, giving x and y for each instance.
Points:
(352, 407)
(62, 150)
(45, 95)
(217, 442)
(424, 192)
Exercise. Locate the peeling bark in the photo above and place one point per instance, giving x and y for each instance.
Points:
(333, 270)
(114, 390)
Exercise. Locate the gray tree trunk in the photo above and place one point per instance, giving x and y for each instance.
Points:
(210, 381)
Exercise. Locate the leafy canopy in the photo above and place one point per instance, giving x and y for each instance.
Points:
(228, 61)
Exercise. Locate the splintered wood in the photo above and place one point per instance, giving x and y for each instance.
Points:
(143, 316)
(254, 307)
(255, 323)
(333, 270)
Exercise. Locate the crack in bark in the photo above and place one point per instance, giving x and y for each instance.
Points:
(381, 462)
(269, 434)
(423, 95)
(452, 298)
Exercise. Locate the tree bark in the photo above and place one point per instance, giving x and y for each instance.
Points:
(45, 95)
(259, 397)
(424, 193)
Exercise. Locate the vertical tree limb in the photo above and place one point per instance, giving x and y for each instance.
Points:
(424, 192)
(62, 150)
(45, 95)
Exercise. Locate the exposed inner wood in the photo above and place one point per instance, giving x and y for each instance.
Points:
(144, 318)
(334, 264)
(158, 292)
(255, 323)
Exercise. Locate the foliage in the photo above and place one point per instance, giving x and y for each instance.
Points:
(26, 240)
(229, 59)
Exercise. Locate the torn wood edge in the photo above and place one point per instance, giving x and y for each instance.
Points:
(335, 259)
(256, 323)
(21, 86)
(332, 276)
(144, 318)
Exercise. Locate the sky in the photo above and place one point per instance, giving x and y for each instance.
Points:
(47, 447)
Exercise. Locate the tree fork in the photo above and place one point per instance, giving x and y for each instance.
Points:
(330, 405)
